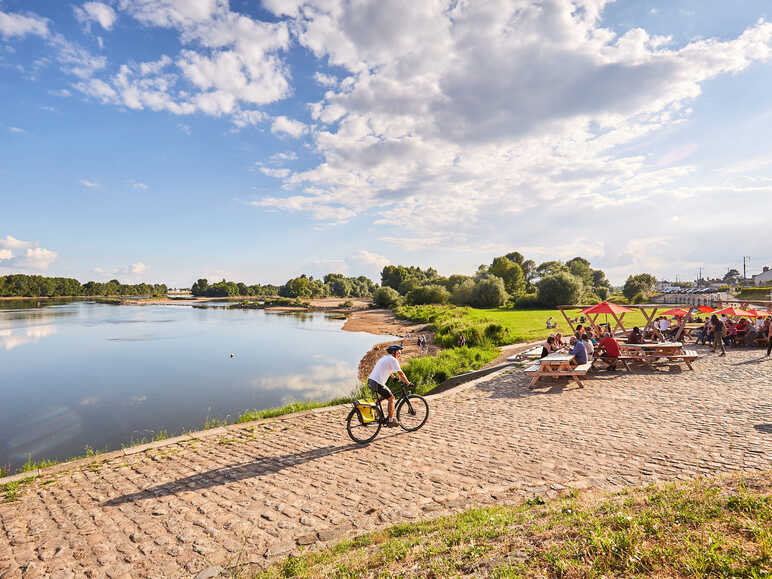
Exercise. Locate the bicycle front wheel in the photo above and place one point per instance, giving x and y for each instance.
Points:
(412, 412)
(361, 432)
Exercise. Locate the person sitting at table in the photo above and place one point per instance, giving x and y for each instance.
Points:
(678, 326)
(741, 331)
(731, 333)
(589, 347)
(579, 331)
(578, 352)
(609, 351)
(635, 336)
(548, 347)
(559, 343)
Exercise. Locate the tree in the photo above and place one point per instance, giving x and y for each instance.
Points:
(643, 284)
(560, 288)
(731, 277)
(515, 257)
(463, 293)
(580, 267)
(386, 297)
(511, 273)
(489, 292)
(428, 294)
(549, 268)
(199, 288)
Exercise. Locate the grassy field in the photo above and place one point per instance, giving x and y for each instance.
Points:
(529, 325)
(706, 528)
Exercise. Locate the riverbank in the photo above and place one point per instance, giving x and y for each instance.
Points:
(384, 322)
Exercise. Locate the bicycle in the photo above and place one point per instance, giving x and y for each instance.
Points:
(366, 419)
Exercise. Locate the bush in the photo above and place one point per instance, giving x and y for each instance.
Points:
(618, 299)
(489, 292)
(559, 289)
(429, 371)
(428, 294)
(639, 298)
(528, 301)
(386, 297)
(463, 293)
(347, 304)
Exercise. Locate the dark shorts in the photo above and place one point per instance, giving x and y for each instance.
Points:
(382, 391)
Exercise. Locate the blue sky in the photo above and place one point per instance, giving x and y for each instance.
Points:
(165, 140)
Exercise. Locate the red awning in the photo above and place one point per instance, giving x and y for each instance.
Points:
(606, 308)
(675, 312)
(734, 312)
(706, 309)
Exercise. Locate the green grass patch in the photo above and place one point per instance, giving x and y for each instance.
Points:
(496, 326)
(711, 527)
(31, 465)
(429, 371)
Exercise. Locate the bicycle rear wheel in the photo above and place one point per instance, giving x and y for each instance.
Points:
(412, 412)
(361, 432)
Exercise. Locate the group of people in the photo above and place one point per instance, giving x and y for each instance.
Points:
(588, 343)
(723, 331)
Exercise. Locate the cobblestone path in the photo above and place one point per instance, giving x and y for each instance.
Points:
(260, 490)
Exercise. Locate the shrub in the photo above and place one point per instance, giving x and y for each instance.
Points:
(489, 292)
(429, 371)
(428, 294)
(463, 293)
(386, 297)
(559, 289)
(638, 298)
(528, 301)
(347, 304)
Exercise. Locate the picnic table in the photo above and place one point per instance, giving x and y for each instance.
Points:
(557, 365)
(652, 352)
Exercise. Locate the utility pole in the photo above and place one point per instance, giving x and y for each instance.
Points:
(748, 257)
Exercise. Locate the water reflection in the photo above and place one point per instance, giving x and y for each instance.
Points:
(320, 382)
(10, 339)
(84, 373)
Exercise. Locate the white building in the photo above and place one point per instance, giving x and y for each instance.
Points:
(707, 297)
(764, 278)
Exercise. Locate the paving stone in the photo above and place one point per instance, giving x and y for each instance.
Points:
(497, 441)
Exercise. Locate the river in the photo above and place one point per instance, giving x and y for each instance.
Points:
(80, 373)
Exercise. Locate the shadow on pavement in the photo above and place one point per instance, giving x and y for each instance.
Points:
(227, 474)
(766, 428)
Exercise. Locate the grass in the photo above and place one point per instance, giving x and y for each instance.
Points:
(429, 371)
(709, 527)
(496, 326)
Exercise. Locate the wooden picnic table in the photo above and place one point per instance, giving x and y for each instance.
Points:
(651, 352)
(556, 365)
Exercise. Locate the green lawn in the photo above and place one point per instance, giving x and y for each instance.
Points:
(529, 325)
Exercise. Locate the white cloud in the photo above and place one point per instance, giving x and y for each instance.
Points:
(325, 79)
(21, 25)
(139, 186)
(277, 173)
(95, 12)
(284, 126)
(16, 130)
(24, 255)
(88, 183)
(138, 267)
(60, 93)
(281, 157)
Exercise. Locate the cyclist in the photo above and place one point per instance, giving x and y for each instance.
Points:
(385, 367)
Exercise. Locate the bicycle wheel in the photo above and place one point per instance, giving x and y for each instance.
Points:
(412, 412)
(361, 432)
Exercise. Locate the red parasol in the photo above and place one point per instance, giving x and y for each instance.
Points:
(706, 309)
(675, 312)
(734, 312)
(606, 308)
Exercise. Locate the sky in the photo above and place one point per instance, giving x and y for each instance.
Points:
(167, 140)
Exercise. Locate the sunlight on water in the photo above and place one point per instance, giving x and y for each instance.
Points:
(79, 373)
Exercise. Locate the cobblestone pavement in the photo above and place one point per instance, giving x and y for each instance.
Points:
(261, 490)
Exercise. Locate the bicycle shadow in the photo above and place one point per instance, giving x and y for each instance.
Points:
(228, 474)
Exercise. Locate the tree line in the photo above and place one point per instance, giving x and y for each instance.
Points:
(22, 285)
(303, 286)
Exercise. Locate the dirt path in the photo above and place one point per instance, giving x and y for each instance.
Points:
(250, 492)
(384, 322)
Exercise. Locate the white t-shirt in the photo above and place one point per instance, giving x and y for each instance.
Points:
(384, 368)
(664, 324)
(589, 347)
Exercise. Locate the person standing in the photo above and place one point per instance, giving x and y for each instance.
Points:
(718, 334)
(769, 336)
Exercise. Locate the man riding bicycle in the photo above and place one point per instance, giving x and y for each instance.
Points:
(385, 367)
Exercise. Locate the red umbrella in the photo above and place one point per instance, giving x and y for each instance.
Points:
(675, 312)
(760, 313)
(606, 308)
(734, 312)
(706, 309)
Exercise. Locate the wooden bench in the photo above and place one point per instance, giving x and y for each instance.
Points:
(688, 356)
(536, 371)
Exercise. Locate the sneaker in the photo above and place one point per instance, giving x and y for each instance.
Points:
(392, 424)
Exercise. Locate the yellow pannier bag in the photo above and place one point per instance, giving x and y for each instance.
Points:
(365, 410)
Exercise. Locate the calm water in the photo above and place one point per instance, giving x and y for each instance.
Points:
(79, 373)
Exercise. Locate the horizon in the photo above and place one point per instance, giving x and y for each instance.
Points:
(174, 140)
